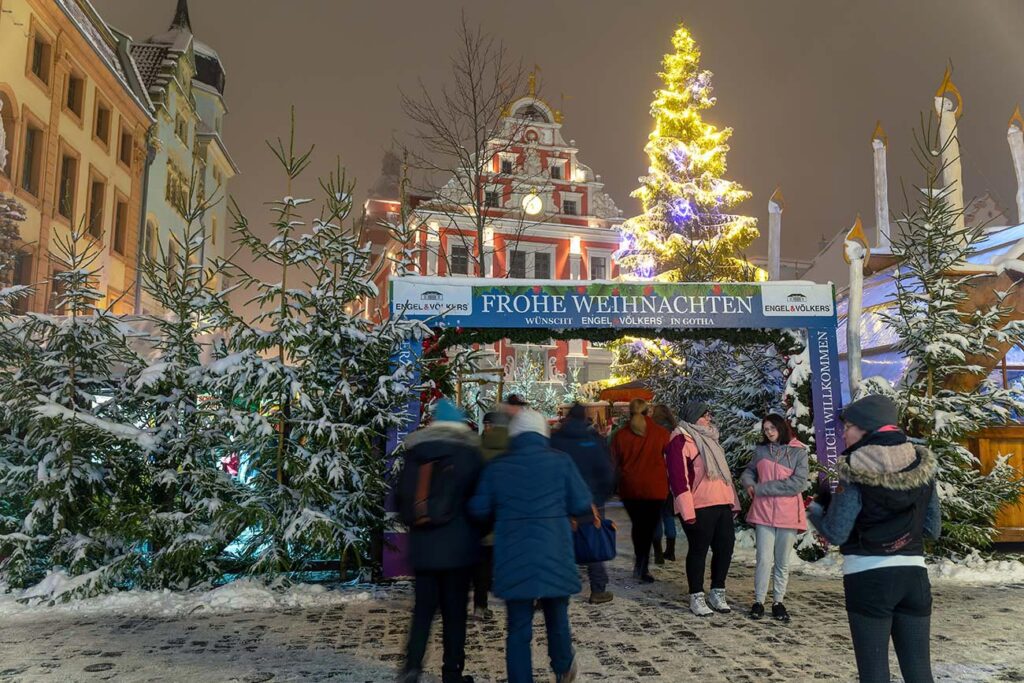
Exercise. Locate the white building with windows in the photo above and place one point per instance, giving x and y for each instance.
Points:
(185, 80)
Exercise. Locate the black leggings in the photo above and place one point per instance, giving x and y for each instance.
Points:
(712, 531)
(643, 515)
(896, 603)
(483, 576)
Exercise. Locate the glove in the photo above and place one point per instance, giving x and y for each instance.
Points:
(824, 497)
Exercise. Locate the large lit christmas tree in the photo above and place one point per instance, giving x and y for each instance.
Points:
(685, 232)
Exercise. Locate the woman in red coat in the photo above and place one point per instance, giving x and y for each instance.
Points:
(638, 450)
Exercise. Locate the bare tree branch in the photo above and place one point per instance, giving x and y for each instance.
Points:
(460, 132)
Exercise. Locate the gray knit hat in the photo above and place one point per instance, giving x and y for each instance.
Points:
(871, 412)
(693, 411)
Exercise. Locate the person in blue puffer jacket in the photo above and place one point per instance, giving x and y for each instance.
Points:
(531, 493)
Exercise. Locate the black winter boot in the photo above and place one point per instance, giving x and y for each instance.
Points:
(644, 573)
(670, 549)
(659, 555)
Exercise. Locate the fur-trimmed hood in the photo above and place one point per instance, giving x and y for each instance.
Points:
(900, 467)
(443, 431)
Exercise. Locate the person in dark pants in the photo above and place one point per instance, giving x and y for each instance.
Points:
(493, 443)
(885, 504)
(666, 527)
(531, 492)
(590, 453)
(441, 470)
(638, 450)
(706, 500)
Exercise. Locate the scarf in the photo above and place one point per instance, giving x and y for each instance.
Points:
(710, 450)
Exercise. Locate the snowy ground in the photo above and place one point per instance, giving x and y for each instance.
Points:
(243, 632)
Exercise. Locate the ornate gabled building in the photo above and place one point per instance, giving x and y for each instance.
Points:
(547, 217)
(185, 80)
(75, 117)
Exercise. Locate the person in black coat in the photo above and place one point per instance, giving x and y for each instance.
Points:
(442, 466)
(593, 459)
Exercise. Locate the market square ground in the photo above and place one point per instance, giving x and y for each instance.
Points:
(646, 634)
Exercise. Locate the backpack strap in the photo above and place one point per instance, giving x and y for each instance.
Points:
(421, 502)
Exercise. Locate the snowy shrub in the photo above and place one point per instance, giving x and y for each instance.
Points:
(189, 497)
(71, 467)
(320, 386)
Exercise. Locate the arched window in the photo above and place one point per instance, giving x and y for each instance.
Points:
(7, 119)
(532, 112)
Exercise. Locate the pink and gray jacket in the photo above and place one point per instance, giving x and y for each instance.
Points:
(779, 477)
(691, 487)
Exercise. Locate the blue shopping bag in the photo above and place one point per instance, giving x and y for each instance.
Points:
(594, 541)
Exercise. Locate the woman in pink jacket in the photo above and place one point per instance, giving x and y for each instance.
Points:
(703, 495)
(775, 479)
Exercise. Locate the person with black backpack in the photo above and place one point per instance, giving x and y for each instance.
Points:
(884, 507)
(442, 465)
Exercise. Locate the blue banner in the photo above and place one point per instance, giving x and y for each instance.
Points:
(561, 305)
(826, 396)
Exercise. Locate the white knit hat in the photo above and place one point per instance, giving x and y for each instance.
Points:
(528, 421)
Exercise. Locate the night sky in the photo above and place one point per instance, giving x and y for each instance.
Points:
(801, 83)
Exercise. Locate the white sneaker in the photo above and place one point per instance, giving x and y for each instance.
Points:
(717, 602)
(699, 606)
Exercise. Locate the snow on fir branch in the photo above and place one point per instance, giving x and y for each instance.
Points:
(946, 395)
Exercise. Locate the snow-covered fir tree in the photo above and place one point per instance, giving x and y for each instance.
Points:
(525, 377)
(939, 330)
(319, 378)
(13, 355)
(796, 396)
(69, 456)
(190, 495)
(685, 232)
(11, 214)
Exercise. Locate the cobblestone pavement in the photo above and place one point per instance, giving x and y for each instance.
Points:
(645, 634)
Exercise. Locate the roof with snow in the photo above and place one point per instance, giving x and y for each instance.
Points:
(108, 46)
(1000, 248)
(149, 60)
(158, 56)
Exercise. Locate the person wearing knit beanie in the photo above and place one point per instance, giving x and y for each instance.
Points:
(528, 421)
(871, 413)
(693, 411)
(446, 411)
(884, 508)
